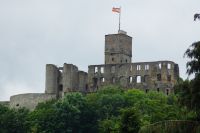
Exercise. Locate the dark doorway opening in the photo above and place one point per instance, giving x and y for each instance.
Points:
(167, 91)
(159, 77)
(86, 87)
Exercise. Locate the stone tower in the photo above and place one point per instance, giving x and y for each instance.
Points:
(118, 48)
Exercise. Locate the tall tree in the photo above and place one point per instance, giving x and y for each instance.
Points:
(193, 67)
(193, 53)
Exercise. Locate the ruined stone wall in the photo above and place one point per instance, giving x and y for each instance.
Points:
(83, 79)
(160, 75)
(60, 80)
(29, 100)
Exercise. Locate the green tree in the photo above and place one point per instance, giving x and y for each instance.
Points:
(183, 90)
(195, 94)
(107, 101)
(110, 125)
(43, 118)
(13, 121)
(110, 109)
(130, 121)
(193, 53)
(154, 107)
(69, 114)
(193, 67)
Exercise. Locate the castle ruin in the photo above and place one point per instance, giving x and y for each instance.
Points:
(118, 69)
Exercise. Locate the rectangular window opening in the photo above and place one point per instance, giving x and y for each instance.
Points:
(131, 68)
(113, 59)
(95, 69)
(138, 79)
(159, 65)
(138, 67)
(102, 69)
(130, 79)
(146, 67)
(168, 66)
(102, 80)
(167, 91)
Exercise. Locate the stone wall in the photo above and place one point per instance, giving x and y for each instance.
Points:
(159, 75)
(29, 100)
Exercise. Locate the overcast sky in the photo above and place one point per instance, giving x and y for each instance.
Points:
(38, 32)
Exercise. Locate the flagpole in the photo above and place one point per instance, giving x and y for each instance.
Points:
(119, 18)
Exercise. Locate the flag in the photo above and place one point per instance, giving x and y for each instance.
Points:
(118, 10)
(196, 16)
